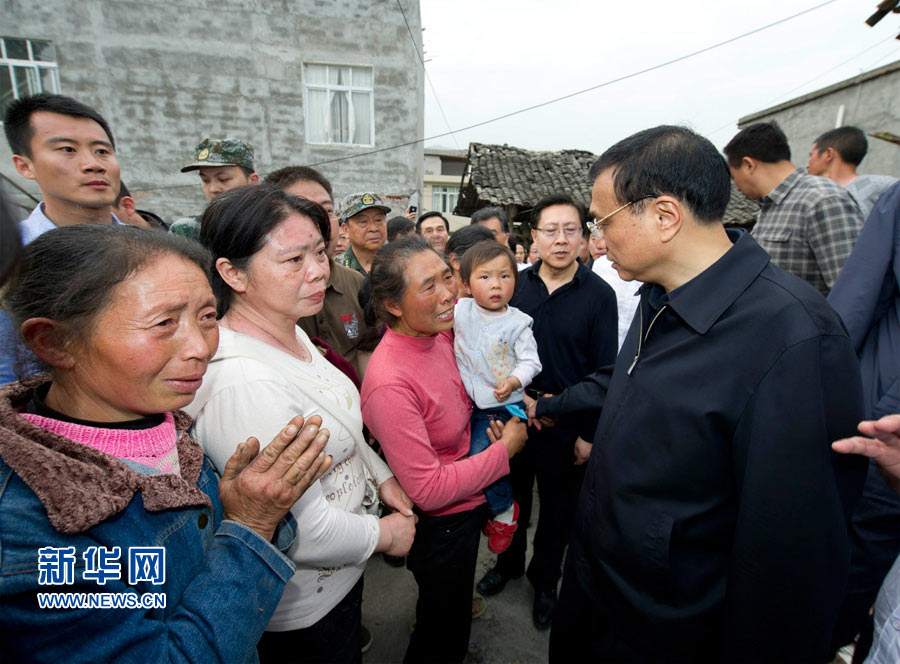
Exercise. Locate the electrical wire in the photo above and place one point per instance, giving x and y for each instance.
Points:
(548, 102)
(427, 77)
(775, 101)
(585, 90)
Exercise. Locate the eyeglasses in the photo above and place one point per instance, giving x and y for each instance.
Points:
(552, 231)
(597, 226)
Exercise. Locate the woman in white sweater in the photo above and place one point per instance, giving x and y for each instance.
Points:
(270, 270)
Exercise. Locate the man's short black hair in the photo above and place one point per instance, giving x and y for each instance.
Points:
(287, 176)
(398, 225)
(17, 122)
(429, 215)
(763, 141)
(486, 213)
(669, 160)
(463, 239)
(556, 199)
(849, 142)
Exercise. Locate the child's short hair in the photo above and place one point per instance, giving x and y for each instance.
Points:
(482, 252)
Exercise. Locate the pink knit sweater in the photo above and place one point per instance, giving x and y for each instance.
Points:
(154, 447)
(415, 403)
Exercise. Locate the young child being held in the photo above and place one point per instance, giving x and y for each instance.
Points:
(497, 358)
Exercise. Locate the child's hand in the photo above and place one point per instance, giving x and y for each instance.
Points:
(506, 387)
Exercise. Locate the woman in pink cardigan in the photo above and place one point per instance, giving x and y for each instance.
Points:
(414, 402)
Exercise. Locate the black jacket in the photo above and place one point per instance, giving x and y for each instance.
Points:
(712, 521)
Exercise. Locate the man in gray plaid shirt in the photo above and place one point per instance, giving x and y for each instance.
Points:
(808, 224)
(836, 154)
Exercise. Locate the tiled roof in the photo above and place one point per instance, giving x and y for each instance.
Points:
(741, 211)
(502, 175)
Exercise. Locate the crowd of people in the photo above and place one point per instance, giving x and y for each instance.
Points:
(696, 404)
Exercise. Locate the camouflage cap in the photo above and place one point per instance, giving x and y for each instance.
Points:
(221, 152)
(355, 203)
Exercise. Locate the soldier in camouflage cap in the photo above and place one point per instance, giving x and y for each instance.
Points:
(365, 216)
(223, 163)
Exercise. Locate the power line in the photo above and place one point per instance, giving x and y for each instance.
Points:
(581, 92)
(427, 77)
(807, 82)
(557, 99)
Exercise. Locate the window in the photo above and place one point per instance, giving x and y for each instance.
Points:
(443, 199)
(27, 66)
(340, 106)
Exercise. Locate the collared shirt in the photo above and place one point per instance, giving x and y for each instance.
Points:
(349, 259)
(341, 322)
(574, 326)
(808, 225)
(37, 223)
(627, 296)
(867, 189)
(712, 522)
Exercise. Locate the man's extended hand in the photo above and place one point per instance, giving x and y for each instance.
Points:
(883, 446)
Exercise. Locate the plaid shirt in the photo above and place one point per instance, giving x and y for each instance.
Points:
(808, 225)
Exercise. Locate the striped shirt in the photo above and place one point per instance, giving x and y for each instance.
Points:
(808, 225)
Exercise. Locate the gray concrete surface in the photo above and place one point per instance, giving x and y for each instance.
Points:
(166, 74)
(503, 635)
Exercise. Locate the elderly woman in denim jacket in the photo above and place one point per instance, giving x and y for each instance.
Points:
(103, 496)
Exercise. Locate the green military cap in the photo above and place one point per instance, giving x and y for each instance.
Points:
(221, 152)
(355, 203)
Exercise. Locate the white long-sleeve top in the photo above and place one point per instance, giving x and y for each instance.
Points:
(254, 389)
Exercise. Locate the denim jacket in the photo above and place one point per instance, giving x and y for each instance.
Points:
(222, 580)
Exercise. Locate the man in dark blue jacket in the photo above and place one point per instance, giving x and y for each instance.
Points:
(712, 524)
(575, 327)
(867, 297)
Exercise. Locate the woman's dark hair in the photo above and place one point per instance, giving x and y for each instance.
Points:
(483, 252)
(388, 274)
(236, 224)
(466, 238)
(69, 274)
(370, 338)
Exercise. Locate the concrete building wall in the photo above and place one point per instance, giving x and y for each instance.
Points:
(166, 74)
(870, 101)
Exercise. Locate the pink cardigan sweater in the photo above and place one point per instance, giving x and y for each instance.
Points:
(414, 401)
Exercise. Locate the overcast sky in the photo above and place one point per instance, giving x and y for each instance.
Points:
(486, 58)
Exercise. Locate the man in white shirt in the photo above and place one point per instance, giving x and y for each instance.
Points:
(69, 150)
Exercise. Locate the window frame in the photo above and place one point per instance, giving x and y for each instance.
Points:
(33, 64)
(333, 87)
(441, 191)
